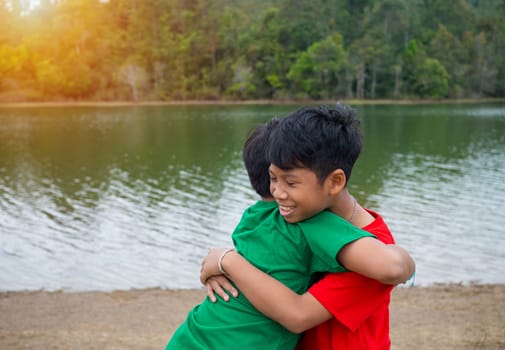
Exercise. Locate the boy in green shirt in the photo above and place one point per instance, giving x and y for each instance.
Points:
(290, 248)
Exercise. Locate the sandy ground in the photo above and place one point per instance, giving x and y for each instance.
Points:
(438, 317)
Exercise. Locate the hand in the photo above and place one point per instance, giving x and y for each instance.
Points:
(217, 285)
(209, 264)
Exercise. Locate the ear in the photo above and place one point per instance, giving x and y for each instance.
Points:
(336, 181)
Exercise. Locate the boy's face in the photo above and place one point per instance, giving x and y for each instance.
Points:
(298, 193)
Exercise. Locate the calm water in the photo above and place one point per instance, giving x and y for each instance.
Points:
(120, 198)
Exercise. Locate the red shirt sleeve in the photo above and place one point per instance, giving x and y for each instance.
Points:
(350, 297)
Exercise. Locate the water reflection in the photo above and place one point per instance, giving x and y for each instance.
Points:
(442, 175)
(449, 214)
(119, 198)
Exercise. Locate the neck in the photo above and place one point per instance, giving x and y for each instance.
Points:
(345, 206)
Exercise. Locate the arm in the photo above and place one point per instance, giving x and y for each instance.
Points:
(387, 263)
(295, 312)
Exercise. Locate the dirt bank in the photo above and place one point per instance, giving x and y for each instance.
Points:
(439, 317)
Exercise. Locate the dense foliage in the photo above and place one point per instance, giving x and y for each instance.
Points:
(251, 49)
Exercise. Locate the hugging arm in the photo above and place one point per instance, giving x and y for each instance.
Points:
(295, 312)
(387, 263)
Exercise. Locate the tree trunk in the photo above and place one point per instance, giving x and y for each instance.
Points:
(131, 79)
(374, 83)
(360, 81)
(398, 82)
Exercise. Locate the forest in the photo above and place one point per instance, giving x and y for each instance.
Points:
(181, 50)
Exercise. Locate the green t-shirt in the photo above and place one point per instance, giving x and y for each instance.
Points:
(291, 253)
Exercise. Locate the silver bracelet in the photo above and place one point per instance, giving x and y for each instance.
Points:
(220, 260)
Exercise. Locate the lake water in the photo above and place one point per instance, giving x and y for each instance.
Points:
(103, 198)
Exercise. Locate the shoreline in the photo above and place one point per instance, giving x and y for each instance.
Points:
(444, 316)
(43, 104)
(433, 285)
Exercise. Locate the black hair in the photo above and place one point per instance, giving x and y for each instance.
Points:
(321, 139)
(255, 156)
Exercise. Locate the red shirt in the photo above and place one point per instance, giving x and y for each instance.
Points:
(359, 305)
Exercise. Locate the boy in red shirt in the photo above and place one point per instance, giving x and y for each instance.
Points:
(359, 307)
(349, 311)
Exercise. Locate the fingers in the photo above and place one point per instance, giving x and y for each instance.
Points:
(227, 285)
(210, 292)
(214, 287)
(218, 285)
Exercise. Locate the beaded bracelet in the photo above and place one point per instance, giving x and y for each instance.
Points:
(220, 260)
(411, 280)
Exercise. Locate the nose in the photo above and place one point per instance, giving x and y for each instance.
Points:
(278, 191)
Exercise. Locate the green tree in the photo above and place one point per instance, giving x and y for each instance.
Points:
(482, 74)
(456, 15)
(189, 49)
(447, 49)
(264, 55)
(413, 57)
(316, 70)
(431, 79)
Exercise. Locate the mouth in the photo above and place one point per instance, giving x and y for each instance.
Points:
(285, 210)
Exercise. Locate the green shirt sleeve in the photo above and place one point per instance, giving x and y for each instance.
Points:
(327, 233)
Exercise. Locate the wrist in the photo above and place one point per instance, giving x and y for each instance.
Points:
(220, 266)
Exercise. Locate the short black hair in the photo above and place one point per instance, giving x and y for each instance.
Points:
(321, 139)
(255, 156)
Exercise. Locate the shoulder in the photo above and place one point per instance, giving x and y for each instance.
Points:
(328, 225)
(260, 208)
(255, 214)
(263, 205)
(324, 218)
(379, 228)
(265, 216)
